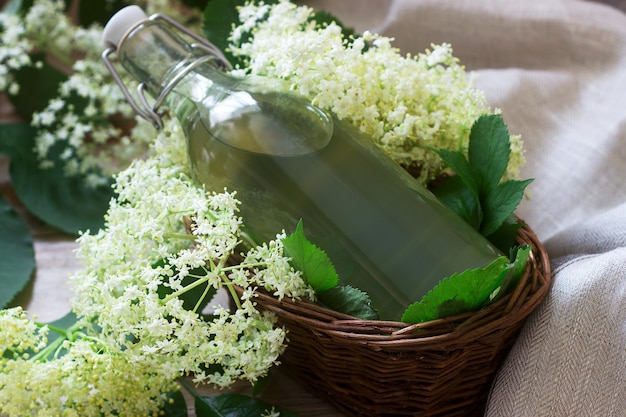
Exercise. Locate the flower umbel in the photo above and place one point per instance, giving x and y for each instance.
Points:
(163, 254)
(405, 103)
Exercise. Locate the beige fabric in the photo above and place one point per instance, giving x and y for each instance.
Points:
(557, 69)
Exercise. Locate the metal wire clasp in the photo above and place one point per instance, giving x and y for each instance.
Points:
(152, 113)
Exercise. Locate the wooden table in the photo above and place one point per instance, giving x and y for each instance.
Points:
(48, 295)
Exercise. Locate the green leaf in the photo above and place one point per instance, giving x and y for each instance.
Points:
(476, 193)
(489, 150)
(98, 11)
(65, 323)
(219, 18)
(500, 203)
(38, 85)
(459, 293)
(315, 265)
(468, 175)
(520, 254)
(504, 237)
(60, 201)
(17, 256)
(349, 300)
(235, 405)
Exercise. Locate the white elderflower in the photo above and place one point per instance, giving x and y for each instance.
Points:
(14, 49)
(406, 104)
(18, 334)
(165, 249)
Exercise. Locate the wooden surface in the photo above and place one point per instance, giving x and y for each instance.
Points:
(48, 295)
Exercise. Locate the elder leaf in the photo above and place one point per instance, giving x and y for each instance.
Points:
(17, 255)
(316, 267)
(349, 300)
(500, 203)
(489, 150)
(38, 84)
(60, 201)
(464, 170)
(459, 293)
(520, 254)
(220, 16)
(476, 192)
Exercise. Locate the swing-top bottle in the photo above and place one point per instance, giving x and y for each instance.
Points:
(289, 160)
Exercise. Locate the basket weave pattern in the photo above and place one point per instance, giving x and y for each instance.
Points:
(439, 368)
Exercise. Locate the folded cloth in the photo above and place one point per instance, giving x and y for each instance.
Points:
(557, 70)
(570, 359)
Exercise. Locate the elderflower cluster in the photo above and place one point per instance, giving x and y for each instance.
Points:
(14, 321)
(405, 103)
(56, 376)
(13, 51)
(89, 124)
(145, 301)
(88, 379)
(164, 238)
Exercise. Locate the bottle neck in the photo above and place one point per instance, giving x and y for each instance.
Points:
(171, 69)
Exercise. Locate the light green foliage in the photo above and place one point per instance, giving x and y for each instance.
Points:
(466, 291)
(319, 272)
(317, 269)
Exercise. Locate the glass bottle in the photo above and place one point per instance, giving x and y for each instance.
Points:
(288, 160)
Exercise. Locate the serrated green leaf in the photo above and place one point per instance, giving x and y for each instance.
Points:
(38, 85)
(489, 150)
(235, 405)
(459, 293)
(500, 203)
(60, 201)
(17, 255)
(459, 163)
(520, 256)
(349, 300)
(315, 265)
(504, 237)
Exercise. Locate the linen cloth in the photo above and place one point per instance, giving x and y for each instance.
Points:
(557, 70)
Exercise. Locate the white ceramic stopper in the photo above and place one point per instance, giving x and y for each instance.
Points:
(121, 22)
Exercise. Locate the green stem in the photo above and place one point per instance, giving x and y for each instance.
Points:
(201, 280)
(48, 350)
(231, 290)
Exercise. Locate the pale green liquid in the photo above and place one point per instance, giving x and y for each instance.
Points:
(384, 233)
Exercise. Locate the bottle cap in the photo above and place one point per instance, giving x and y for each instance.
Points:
(121, 22)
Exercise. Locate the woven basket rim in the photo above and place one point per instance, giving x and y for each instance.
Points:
(506, 312)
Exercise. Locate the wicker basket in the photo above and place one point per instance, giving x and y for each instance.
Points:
(439, 368)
